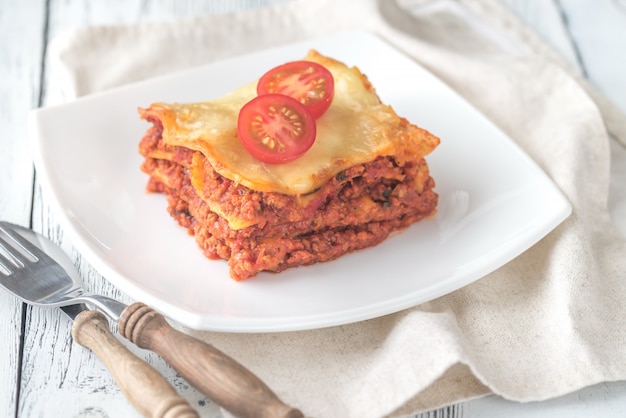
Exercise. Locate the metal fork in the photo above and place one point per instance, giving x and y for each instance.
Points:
(41, 279)
(37, 278)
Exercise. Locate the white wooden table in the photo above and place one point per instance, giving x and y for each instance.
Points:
(42, 372)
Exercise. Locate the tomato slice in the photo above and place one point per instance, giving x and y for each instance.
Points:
(308, 82)
(275, 128)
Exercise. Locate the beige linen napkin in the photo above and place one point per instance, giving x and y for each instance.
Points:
(547, 323)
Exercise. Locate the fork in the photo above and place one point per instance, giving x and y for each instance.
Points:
(40, 279)
(34, 278)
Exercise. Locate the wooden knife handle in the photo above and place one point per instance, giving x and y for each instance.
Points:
(215, 374)
(144, 387)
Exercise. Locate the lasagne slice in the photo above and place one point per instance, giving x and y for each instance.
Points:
(364, 178)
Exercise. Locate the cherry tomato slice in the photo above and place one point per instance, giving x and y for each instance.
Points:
(308, 82)
(275, 128)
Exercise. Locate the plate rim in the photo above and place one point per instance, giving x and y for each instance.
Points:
(249, 325)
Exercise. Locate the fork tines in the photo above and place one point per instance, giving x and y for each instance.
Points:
(14, 250)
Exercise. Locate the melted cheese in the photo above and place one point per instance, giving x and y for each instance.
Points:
(357, 128)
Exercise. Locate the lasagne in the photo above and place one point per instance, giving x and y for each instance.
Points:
(364, 177)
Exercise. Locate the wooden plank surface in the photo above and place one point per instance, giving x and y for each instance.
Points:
(602, 47)
(59, 378)
(20, 70)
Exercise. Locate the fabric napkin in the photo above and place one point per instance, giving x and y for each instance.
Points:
(548, 323)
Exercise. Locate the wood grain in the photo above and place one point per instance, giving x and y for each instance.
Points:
(214, 373)
(21, 64)
(143, 386)
(601, 47)
(20, 70)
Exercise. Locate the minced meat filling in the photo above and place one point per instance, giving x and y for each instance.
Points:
(357, 208)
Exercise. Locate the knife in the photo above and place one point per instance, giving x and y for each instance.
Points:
(38, 272)
(145, 388)
(209, 370)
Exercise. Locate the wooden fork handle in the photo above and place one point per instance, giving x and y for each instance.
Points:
(209, 370)
(144, 387)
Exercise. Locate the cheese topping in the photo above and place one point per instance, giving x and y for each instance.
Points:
(357, 128)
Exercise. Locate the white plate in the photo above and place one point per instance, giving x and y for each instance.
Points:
(494, 202)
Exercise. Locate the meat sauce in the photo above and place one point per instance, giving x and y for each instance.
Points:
(357, 208)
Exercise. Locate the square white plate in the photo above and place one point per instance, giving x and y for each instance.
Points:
(494, 202)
